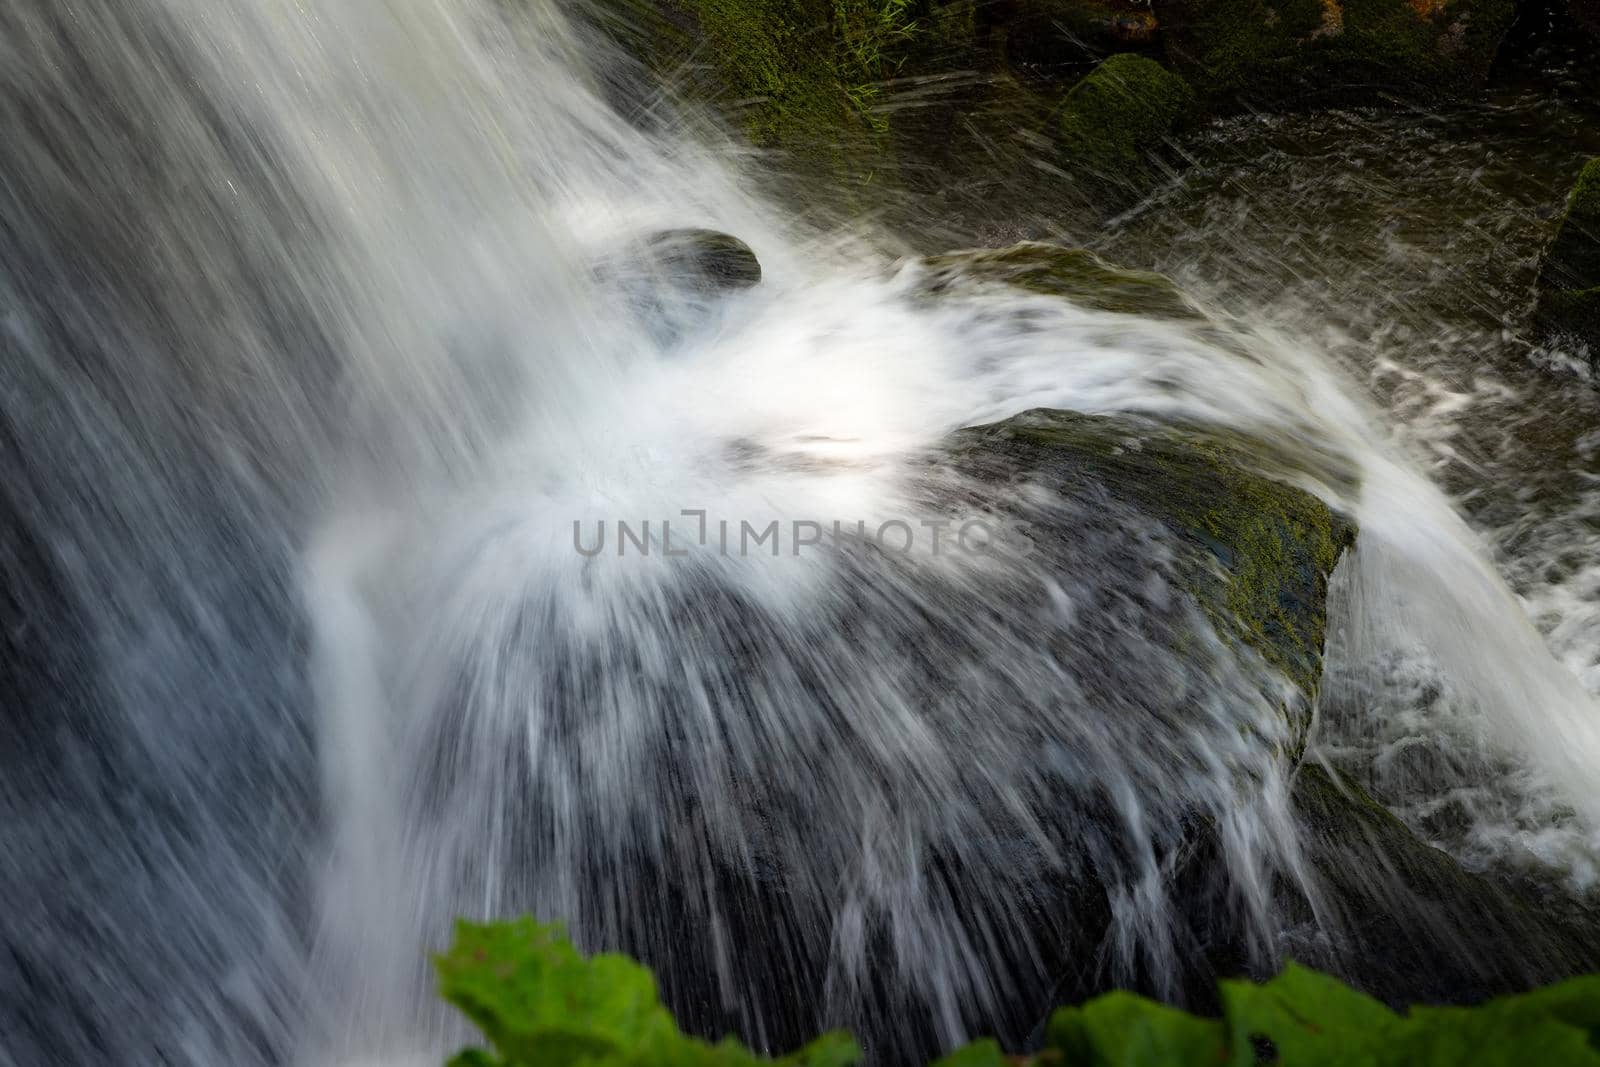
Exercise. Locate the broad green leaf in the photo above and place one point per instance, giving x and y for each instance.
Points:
(835, 1049)
(543, 1004)
(475, 1057)
(984, 1053)
(1499, 1034)
(1124, 1030)
(1575, 1002)
(539, 1001)
(1312, 1020)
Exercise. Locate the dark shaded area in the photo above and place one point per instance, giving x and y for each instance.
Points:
(1412, 926)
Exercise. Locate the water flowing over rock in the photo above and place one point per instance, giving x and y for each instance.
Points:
(468, 458)
(1074, 274)
(1254, 554)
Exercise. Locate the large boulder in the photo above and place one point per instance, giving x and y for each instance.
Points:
(1253, 552)
(1382, 908)
(1569, 278)
(1391, 914)
(1292, 52)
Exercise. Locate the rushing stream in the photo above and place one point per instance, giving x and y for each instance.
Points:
(332, 347)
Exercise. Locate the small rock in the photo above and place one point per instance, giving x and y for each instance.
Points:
(704, 258)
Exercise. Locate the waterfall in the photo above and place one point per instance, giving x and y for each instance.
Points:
(333, 346)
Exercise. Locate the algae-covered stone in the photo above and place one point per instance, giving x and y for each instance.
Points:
(1076, 274)
(1569, 279)
(1255, 553)
(1116, 115)
(1285, 52)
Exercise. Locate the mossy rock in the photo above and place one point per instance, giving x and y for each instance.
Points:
(1075, 274)
(1117, 115)
(1569, 278)
(1291, 52)
(1255, 553)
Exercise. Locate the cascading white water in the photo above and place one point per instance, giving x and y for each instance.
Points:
(364, 341)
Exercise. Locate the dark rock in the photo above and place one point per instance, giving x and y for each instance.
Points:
(703, 259)
(1569, 278)
(1293, 52)
(1585, 14)
(1410, 925)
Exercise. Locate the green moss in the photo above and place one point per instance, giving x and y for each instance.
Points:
(805, 77)
(777, 58)
(1114, 116)
(1228, 46)
(1076, 274)
(1259, 551)
(951, 31)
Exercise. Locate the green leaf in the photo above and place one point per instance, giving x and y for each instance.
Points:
(543, 1004)
(538, 1000)
(475, 1057)
(1575, 1002)
(984, 1053)
(1124, 1030)
(1310, 1019)
(835, 1049)
(1499, 1034)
